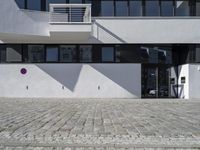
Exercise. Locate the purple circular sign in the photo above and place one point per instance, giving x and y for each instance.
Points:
(23, 71)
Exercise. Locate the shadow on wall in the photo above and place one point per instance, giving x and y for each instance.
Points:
(108, 32)
(121, 75)
(68, 75)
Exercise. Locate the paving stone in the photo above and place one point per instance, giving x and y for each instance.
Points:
(99, 122)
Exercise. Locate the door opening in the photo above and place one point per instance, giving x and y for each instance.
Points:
(155, 81)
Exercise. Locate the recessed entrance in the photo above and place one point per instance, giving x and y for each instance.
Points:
(155, 81)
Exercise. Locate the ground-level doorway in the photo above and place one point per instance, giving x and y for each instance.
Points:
(155, 81)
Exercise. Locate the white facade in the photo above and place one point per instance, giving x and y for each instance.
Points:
(91, 80)
(24, 26)
(71, 80)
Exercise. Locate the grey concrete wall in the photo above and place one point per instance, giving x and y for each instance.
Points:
(71, 80)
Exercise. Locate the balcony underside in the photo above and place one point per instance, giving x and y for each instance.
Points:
(56, 37)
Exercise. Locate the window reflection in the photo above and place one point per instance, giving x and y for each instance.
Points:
(21, 4)
(107, 8)
(75, 1)
(167, 8)
(121, 8)
(155, 55)
(13, 53)
(85, 53)
(182, 8)
(127, 53)
(34, 4)
(68, 53)
(107, 54)
(135, 8)
(35, 53)
(54, 2)
(152, 8)
(52, 54)
(198, 8)
(2, 53)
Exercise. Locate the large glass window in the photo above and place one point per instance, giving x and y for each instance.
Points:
(13, 53)
(121, 8)
(107, 54)
(85, 53)
(2, 53)
(52, 54)
(167, 8)
(36, 53)
(54, 2)
(182, 8)
(34, 4)
(127, 53)
(198, 8)
(68, 53)
(107, 8)
(135, 8)
(154, 55)
(21, 3)
(152, 8)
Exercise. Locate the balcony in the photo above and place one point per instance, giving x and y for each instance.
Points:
(70, 13)
(70, 21)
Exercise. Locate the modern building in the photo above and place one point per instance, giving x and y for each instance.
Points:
(100, 48)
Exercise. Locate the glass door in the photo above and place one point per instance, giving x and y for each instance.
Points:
(163, 82)
(149, 82)
(155, 81)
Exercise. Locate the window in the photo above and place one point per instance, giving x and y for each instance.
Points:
(52, 54)
(183, 80)
(198, 8)
(152, 8)
(156, 55)
(35, 53)
(75, 1)
(167, 8)
(182, 8)
(88, 1)
(13, 53)
(121, 8)
(107, 8)
(135, 8)
(2, 53)
(144, 54)
(54, 2)
(34, 4)
(85, 53)
(197, 53)
(21, 4)
(172, 81)
(107, 54)
(127, 54)
(68, 53)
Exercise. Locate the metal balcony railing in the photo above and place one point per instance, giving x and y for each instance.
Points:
(70, 13)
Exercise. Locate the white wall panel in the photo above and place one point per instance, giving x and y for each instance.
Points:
(147, 30)
(71, 80)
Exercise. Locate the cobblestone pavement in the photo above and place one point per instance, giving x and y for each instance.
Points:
(108, 124)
